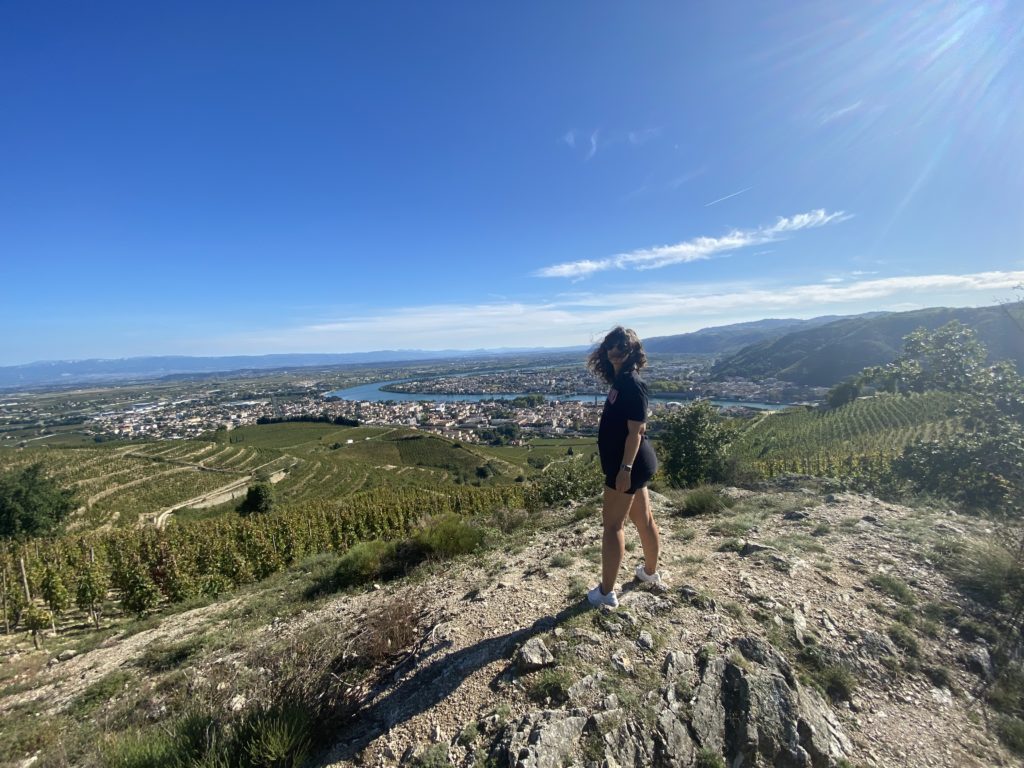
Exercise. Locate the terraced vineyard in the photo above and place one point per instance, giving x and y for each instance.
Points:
(860, 436)
(121, 485)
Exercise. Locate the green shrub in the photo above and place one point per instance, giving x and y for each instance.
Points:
(278, 737)
(551, 684)
(161, 657)
(893, 587)
(362, 563)
(434, 756)
(904, 639)
(469, 734)
(838, 682)
(939, 676)
(1011, 732)
(703, 501)
(148, 749)
(693, 444)
(448, 536)
(970, 630)
(708, 758)
(735, 526)
(572, 480)
(509, 520)
(991, 573)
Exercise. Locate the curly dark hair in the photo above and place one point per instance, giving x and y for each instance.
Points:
(625, 338)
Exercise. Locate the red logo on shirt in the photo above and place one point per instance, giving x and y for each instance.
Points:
(612, 395)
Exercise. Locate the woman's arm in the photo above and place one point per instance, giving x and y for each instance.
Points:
(636, 432)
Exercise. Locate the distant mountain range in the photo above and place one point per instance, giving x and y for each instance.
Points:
(827, 354)
(724, 339)
(820, 351)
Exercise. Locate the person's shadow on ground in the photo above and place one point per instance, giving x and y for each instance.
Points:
(435, 682)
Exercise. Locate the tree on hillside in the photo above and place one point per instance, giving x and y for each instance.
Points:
(693, 445)
(982, 466)
(258, 500)
(31, 504)
(842, 393)
(950, 358)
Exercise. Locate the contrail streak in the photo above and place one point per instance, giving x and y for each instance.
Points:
(713, 202)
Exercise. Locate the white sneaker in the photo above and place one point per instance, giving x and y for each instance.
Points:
(597, 598)
(650, 578)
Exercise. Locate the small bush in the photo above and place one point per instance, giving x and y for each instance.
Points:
(161, 657)
(562, 560)
(893, 587)
(940, 677)
(434, 756)
(1011, 732)
(278, 737)
(904, 639)
(707, 758)
(990, 573)
(733, 608)
(150, 749)
(509, 520)
(448, 536)
(971, 630)
(566, 481)
(838, 682)
(551, 685)
(388, 630)
(193, 739)
(469, 734)
(362, 563)
(703, 501)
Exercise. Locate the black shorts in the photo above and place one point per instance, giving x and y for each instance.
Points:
(644, 466)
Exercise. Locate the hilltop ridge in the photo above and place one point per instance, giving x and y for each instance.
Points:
(821, 622)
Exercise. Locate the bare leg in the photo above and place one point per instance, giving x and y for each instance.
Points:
(650, 539)
(613, 541)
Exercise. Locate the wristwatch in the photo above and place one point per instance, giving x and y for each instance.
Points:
(628, 467)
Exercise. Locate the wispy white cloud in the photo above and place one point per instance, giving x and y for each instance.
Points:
(835, 114)
(734, 194)
(644, 135)
(697, 249)
(593, 145)
(570, 139)
(576, 318)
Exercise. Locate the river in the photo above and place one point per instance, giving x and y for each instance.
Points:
(374, 393)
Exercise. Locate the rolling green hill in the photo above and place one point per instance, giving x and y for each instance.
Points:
(828, 354)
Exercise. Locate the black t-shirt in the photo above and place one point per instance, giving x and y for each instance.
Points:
(627, 401)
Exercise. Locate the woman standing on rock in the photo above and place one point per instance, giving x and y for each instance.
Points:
(627, 460)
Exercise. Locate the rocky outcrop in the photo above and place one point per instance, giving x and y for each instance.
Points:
(744, 704)
(542, 739)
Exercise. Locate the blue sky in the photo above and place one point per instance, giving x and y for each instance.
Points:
(212, 178)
